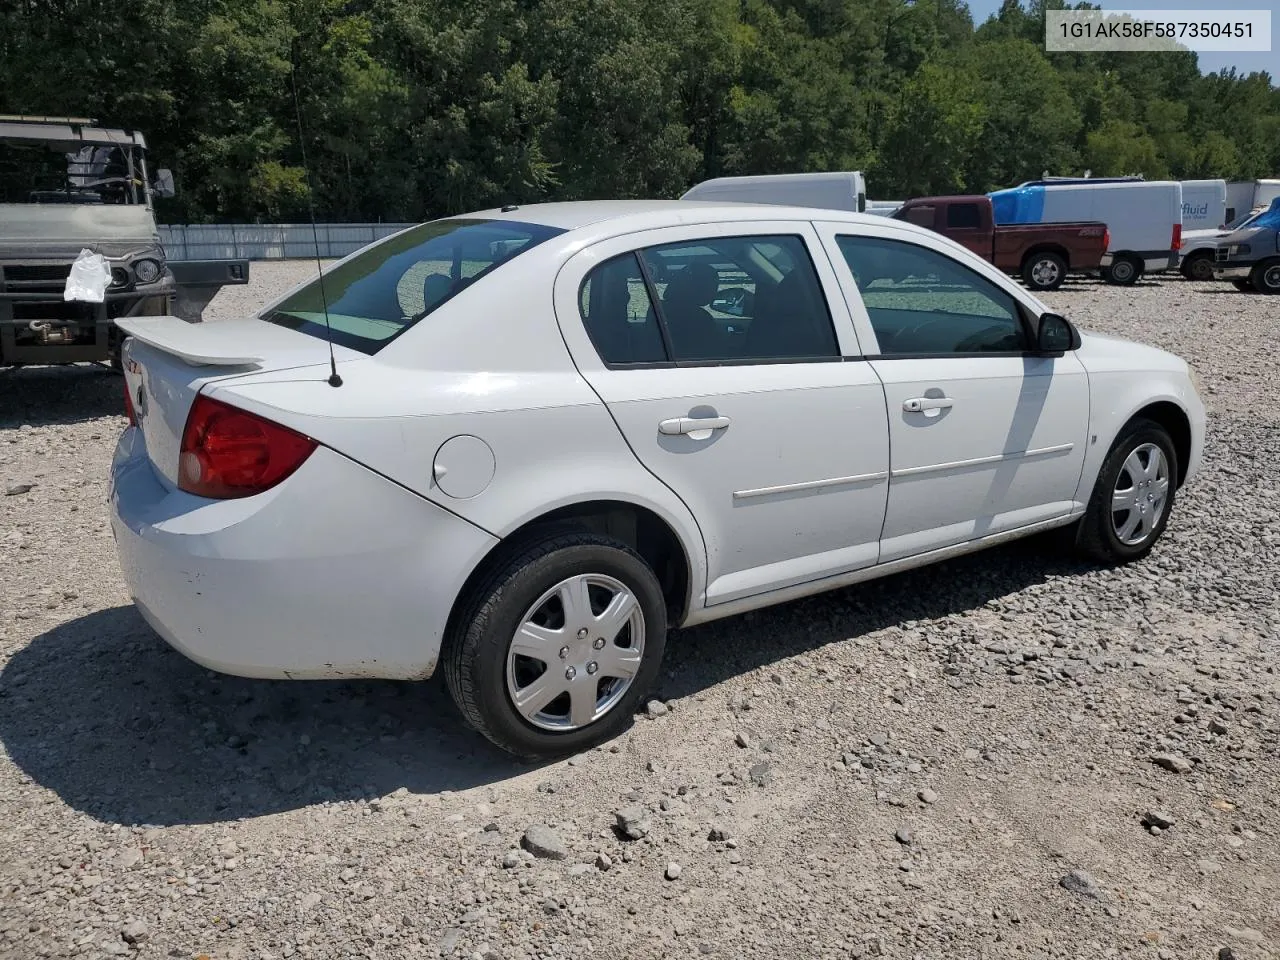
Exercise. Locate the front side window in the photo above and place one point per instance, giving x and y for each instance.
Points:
(378, 294)
(923, 303)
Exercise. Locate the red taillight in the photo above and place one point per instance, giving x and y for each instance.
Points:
(1177, 236)
(229, 452)
(1106, 239)
(128, 405)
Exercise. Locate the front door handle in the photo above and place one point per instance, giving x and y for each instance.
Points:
(925, 404)
(692, 425)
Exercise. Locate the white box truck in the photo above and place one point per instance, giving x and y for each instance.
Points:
(846, 190)
(1204, 205)
(1144, 217)
(1247, 197)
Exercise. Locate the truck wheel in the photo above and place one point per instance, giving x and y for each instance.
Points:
(1198, 267)
(1123, 271)
(1044, 271)
(1266, 277)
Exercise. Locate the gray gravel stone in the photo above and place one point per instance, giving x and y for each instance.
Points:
(135, 931)
(1078, 881)
(633, 822)
(1172, 762)
(927, 796)
(1158, 819)
(673, 871)
(656, 708)
(544, 843)
(761, 774)
(904, 836)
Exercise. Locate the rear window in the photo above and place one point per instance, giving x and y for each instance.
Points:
(378, 294)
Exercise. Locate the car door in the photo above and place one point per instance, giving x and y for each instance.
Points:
(720, 351)
(985, 436)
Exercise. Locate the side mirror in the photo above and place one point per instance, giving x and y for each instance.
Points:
(163, 186)
(1056, 335)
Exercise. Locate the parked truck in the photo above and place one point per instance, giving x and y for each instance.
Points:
(69, 185)
(1247, 197)
(1144, 217)
(1042, 254)
(836, 190)
(1249, 257)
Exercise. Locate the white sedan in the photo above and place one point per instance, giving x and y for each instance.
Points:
(551, 432)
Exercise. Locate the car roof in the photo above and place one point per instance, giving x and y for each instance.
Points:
(625, 215)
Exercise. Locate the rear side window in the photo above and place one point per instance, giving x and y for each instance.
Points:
(720, 300)
(923, 303)
(619, 315)
(964, 216)
(379, 293)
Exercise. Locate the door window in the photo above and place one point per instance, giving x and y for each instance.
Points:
(619, 315)
(720, 300)
(923, 303)
(964, 216)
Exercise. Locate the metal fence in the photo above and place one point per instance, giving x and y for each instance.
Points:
(269, 241)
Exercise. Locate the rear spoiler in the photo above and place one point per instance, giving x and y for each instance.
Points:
(195, 343)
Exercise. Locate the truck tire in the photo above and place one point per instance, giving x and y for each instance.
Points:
(1124, 271)
(1198, 266)
(1266, 277)
(1044, 271)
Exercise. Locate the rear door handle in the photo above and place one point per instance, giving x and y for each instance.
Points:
(690, 425)
(923, 404)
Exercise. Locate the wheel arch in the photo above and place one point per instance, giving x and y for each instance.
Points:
(638, 526)
(1045, 247)
(1176, 423)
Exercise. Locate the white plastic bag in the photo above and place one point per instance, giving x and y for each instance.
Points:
(88, 279)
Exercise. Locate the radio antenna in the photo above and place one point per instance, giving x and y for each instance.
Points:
(334, 379)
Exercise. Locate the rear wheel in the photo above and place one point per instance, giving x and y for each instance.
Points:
(1124, 271)
(1266, 277)
(1044, 271)
(1198, 267)
(1133, 496)
(556, 647)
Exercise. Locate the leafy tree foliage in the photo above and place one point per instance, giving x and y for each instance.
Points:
(408, 109)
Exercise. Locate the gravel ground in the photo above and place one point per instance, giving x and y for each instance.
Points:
(1012, 755)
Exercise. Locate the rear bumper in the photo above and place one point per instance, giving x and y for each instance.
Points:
(336, 572)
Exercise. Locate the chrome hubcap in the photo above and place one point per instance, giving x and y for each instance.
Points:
(1044, 273)
(1272, 278)
(1140, 494)
(576, 653)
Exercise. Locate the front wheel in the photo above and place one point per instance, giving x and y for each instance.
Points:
(1123, 271)
(1198, 267)
(1133, 496)
(1266, 277)
(556, 647)
(1044, 271)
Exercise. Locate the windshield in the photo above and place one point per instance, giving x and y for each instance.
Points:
(379, 293)
(38, 172)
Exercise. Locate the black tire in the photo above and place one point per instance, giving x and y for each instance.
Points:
(1244, 286)
(474, 654)
(1124, 272)
(1096, 537)
(1044, 271)
(1198, 267)
(1266, 277)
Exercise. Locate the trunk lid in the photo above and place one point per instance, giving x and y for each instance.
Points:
(168, 361)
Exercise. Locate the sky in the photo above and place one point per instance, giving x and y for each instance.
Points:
(1209, 62)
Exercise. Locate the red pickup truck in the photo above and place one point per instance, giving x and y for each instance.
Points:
(1042, 254)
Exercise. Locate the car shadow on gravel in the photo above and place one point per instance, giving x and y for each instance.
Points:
(121, 727)
(74, 393)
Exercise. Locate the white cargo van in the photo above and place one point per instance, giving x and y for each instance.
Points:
(831, 191)
(1144, 217)
(1246, 197)
(1204, 205)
